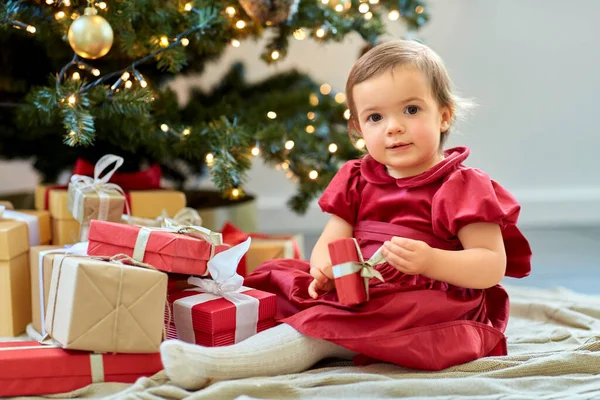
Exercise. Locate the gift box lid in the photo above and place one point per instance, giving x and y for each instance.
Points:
(219, 315)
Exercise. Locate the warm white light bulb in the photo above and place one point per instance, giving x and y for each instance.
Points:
(347, 114)
(235, 43)
(271, 115)
(313, 174)
(332, 148)
(360, 143)
(300, 34)
(310, 129)
(184, 42)
(393, 15)
(255, 151)
(325, 89)
(164, 127)
(230, 11)
(76, 76)
(240, 24)
(289, 144)
(340, 97)
(275, 55)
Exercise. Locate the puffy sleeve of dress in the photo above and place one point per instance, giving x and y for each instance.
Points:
(342, 195)
(469, 196)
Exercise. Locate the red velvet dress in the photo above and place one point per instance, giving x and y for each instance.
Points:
(409, 320)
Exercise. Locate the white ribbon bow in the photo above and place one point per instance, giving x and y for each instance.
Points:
(99, 185)
(366, 268)
(227, 284)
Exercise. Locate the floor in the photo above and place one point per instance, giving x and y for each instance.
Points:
(565, 257)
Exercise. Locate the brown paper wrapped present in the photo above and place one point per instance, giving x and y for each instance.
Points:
(105, 306)
(15, 298)
(96, 198)
(17, 230)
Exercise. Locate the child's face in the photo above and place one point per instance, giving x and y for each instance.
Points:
(400, 121)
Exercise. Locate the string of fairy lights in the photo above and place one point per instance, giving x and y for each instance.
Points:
(127, 76)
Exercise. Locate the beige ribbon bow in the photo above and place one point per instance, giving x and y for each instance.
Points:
(366, 268)
(99, 185)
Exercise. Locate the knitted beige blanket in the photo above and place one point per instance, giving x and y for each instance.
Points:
(554, 353)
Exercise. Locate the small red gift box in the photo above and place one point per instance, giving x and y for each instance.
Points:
(162, 248)
(28, 368)
(350, 272)
(211, 320)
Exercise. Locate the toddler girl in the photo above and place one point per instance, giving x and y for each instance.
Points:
(449, 234)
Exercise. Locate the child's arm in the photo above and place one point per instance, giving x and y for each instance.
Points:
(480, 265)
(320, 263)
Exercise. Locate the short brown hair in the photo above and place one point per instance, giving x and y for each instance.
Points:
(397, 53)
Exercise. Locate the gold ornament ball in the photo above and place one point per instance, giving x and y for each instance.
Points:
(90, 35)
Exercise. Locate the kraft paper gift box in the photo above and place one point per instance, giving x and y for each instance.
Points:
(105, 306)
(166, 250)
(351, 272)
(264, 247)
(28, 368)
(94, 198)
(15, 238)
(220, 311)
(41, 263)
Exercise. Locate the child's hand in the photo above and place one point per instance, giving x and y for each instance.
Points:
(321, 282)
(412, 257)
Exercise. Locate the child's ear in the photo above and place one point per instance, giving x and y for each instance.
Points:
(446, 113)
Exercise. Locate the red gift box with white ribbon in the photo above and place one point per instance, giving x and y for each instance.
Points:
(28, 368)
(220, 311)
(184, 250)
(351, 272)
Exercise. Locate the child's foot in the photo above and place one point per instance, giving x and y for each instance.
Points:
(183, 366)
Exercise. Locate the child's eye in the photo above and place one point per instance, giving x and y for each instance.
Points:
(374, 117)
(411, 110)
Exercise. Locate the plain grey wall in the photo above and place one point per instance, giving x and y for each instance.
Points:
(531, 65)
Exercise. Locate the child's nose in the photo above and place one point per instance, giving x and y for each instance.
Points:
(395, 125)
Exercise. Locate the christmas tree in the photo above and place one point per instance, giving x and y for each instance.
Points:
(80, 79)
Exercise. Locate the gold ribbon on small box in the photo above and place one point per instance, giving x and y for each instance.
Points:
(365, 268)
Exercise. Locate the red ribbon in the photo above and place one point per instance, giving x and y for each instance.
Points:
(143, 180)
(232, 235)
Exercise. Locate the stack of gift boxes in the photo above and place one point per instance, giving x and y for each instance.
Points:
(104, 305)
